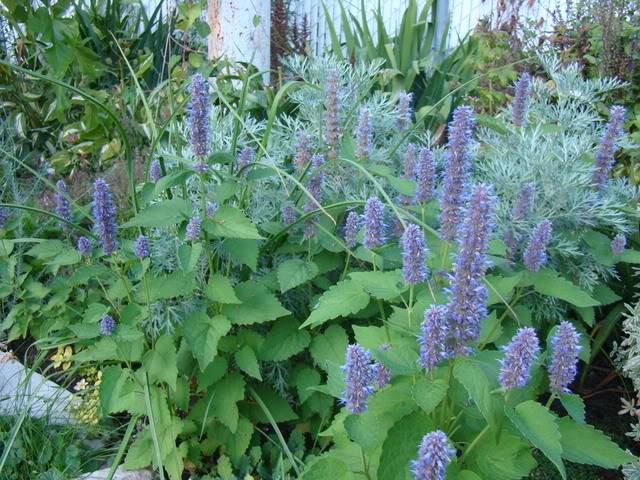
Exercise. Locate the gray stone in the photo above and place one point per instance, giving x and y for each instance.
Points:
(43, 398)
(119, 475)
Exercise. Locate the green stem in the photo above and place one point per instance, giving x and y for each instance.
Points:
(474, 443)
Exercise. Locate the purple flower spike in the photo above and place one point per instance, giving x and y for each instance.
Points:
(381, 375)
(414, 253)
(434, 455)
(364, 134)
(141, 247)
(409, 163)
(456, 171)
(511, 240)
(193, 229)
(84, 246)
(518, 358)
(523, 201)
(63, 207)
(432, 341)
(373, 223)
(521, 100)
(351, 228)
(211, 209)
(199, 116)
(245, 157)
(535, 255)
(314, 186)
(425, 175)
(468, 294)
(564, 357)
(405, 110)
(288, 214)
(4, 214)
(607, 149)
(104, 215)
(201, 166)
(358, 378)
(107, 325)
(618, 244)
(155, 172)
(302, 148)
(332, 115)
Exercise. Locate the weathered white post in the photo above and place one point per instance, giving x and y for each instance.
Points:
(240, 30)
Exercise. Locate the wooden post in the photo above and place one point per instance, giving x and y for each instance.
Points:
(240, 30)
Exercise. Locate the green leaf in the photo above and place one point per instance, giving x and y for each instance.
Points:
(244, 251)
(176, 284)
(473, 378)
(582, 443)
(258, 305)
(284, 340)
(226, 393)
(369, 429)
(111, 383)
(219, 289)
(547, 282)
(508, 459)
(327, 467)
(401, 446)
(382, 285)
(231, 223)
(203, 333)
(330, 346)
(247, 362)
(342, 299)
(278, 407)
(189, 256)
(539, 426)
(160, 362)
(429, 393)
(499, 286)
(162, 214)
(306, 377)
(107, 349)
(292, 273)
(574, 406)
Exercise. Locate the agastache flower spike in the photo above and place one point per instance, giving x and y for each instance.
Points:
(414, 253)
(351, 228)
(302, 148)
(434, 455)
(425, 176)
(211, 209)
(155, 172)
(523, 202)
(468, 294)
(373, 223)
(4, 214)
(456, 171)
(521, 100)
(604, 157)
(332, 115)
(618, 244)
(199, 116)
(433, 336)
(535, 255)
(107, 325)
(405, 111)
(564, 357)
(104, 214)
(315, 189)
(518, 359)
(141, 247)
(381, 375)
(63, 207)
(84, 245)
(193, 229)
(409, 169)
(245, 157)
(358, 378)
(288, 214)
(364, 134)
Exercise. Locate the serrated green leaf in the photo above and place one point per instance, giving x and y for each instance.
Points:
(401, 446)
(189, 254)
(327, 467)
(162, 214)
(219, 289)
(429, 393)
(382, 285)
(203, 333)
(247, 362)
(230, 222)
(306, 377)
(258, 305)
(574, 406)
(226, 393)
(539, 426)
(344, 298)
(509, 459)
(154, 288)
(331, 345)
(582, 443)
(551, 284)
(244, 251)
(111, 383)
(295, 272)
(475, 381)
(284, 340)
(160, 362)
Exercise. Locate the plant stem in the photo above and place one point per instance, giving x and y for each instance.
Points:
(474, 443)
